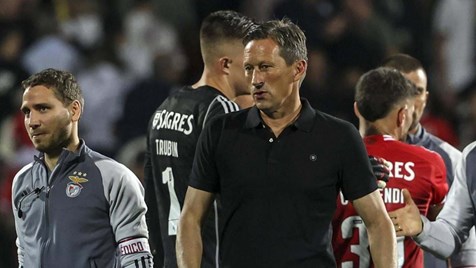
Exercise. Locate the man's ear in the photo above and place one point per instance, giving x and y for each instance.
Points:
(427, 96)
(401, 116)
(356, 110)
(225, 64)
(300, 70)
(76, 110)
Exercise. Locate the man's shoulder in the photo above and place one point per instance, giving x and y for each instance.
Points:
(435, 141)
(470, 150)
(239, 116)
(418, 150)
(449, 153)
(21, 175)
(108, 167)
(325, 118)
(201, 99)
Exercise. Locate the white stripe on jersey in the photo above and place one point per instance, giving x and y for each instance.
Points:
(228, 106)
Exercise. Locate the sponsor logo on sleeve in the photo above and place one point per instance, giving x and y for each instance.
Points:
(135, 245)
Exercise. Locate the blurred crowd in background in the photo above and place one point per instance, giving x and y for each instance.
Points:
(128, 55)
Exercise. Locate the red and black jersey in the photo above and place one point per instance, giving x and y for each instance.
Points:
(172, 136)
(415, 168)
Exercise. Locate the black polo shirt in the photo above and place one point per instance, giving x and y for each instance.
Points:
(278, 194)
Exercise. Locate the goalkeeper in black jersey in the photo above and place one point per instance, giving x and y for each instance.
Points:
(175, 126)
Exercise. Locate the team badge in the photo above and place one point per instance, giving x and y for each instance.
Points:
(74, 187)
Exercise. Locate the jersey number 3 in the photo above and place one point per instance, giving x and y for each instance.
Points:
(174, 212)
(362, 248)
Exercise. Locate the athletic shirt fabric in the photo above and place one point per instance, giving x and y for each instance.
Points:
(173, 133)
(415, 168)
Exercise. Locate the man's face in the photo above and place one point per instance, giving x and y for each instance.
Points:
(237, 74)
(408, 122)
(409, 114)
(47, 121)
(419, 78)
(270, 78)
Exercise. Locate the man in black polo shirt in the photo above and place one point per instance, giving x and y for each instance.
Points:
(277, 168)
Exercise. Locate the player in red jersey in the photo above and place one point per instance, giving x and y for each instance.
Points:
(384, 104)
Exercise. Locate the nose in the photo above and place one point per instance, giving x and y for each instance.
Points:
(32, 120)
(256, 80)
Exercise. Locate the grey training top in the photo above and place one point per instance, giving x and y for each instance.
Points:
(466, 256)
(444, 236)
(88, 212)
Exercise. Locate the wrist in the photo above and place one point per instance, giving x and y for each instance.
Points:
(421, 225)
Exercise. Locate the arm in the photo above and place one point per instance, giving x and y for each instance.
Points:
(189, 238)
(439, 237)
(20, 253)
(382, 239)
(127, 210)
(152, 216)
(439, 187)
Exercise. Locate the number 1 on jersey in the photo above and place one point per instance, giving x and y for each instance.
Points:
(174, 212)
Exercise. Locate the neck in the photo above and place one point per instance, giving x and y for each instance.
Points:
(280, 122)
(217, 81)
(377, 128)
(51, 158)
(415, 129)
(382, 129)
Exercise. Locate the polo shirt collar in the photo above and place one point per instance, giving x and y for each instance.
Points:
(304, 122)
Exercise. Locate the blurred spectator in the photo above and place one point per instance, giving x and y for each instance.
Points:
(316, 88)
(346, 38)
(145, 36)
(312, 16)
(440, 121)
(358, 37)
(50, 49)
(454, 42)
(260, 10)
(11, 73)
(12, 148)
(145, 96)
(82, 24)
(104, 85)
(132, 155)
(15, 151)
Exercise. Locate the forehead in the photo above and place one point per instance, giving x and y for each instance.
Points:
(418, 77)
(261, 50)
(38, 94)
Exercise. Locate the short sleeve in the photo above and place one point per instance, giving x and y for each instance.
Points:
(357, 177)
(204, 174)
(440, 184)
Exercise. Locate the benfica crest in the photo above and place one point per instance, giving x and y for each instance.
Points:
(74, 187)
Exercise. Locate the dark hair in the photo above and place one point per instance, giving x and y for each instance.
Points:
(63, 84)
(402, 62)
(289, 37)
(222, 26)
(379, 90)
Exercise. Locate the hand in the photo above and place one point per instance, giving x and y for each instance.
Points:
(381, 169)
(406, 220)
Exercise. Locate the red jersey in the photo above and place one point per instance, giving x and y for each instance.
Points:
(415, 168)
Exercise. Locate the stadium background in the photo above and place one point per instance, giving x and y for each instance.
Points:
(129, 54)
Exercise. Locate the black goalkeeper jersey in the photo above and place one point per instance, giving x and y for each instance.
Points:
(172, 136)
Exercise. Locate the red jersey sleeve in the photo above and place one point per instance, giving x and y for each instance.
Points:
(440, 185)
